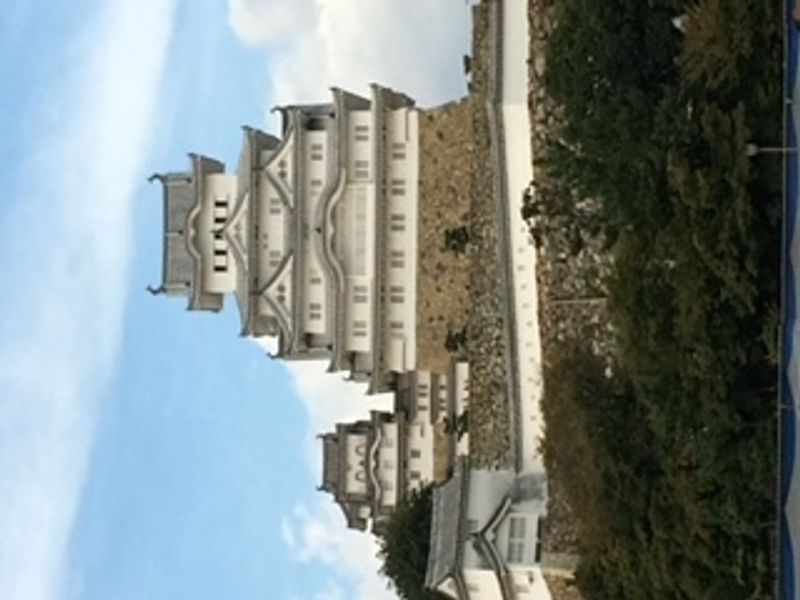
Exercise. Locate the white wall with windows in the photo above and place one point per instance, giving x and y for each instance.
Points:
(355, 235)
(281, 168)
(218, 266)
(356, 478)
(401, 171)
(388, 463)
(460, 376)
(314, 170)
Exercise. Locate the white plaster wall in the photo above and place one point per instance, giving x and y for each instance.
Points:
(314, 179)
(502, 534)
(420, 439)
(529, 584)
(356, 479)
(282, 165)
(216, 187)
(389, 463)
(271, 230)
(461, 399)
(519, 173)
(486, 492)
(355, 228)
(401, 152)
(482, 585)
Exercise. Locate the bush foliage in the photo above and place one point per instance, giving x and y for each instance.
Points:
(405, 545)
(671, 460)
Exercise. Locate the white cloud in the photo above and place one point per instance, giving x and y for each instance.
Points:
(66, 283)
(414, 46)
(315, 534)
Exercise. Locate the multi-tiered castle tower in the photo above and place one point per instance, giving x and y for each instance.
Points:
(315, 234)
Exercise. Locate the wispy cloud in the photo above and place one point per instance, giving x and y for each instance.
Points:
(316, 531)
(411, 45)
(66, 242)
(315, 534)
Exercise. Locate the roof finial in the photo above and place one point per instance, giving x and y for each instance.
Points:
(155, 291)
(155, 177)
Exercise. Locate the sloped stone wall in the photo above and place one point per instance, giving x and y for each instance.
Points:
(443, 286)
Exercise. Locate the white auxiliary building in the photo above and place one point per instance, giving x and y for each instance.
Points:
(371, 466)
(485, 535)
(315, 234)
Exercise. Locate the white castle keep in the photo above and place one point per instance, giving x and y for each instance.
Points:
(315, 234)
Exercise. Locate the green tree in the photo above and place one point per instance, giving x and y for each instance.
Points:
(405, 545)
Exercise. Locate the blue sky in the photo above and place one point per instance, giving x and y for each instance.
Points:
(148, 452)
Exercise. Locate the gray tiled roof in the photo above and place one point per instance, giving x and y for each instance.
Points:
(447, 527)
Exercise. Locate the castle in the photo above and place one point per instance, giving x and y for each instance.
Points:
(315, 234)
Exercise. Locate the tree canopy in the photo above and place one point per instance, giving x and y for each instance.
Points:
(674, 455)
(405, 544)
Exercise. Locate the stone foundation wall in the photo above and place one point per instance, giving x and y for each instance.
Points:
(489, 422)
(443, 286)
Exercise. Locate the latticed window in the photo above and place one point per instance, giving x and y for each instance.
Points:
(362, 133)
(397, 259)
(516, 540)
(362, 169)
(398, 151)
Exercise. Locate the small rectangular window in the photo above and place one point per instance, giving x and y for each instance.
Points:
(220, 203)
(315, 316)
(219, 220)
(396, 299)
(414, 475)
(220, 268)
(359, 333)
(316, 183)
(516, 552)
(220, 252)
(516, 527)
(316, 156)
(396, 325)
(359, 324)
(316, 280)
(360, 298)
(415, 453)
(274, 211)
(397, 227)
(362, 164)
